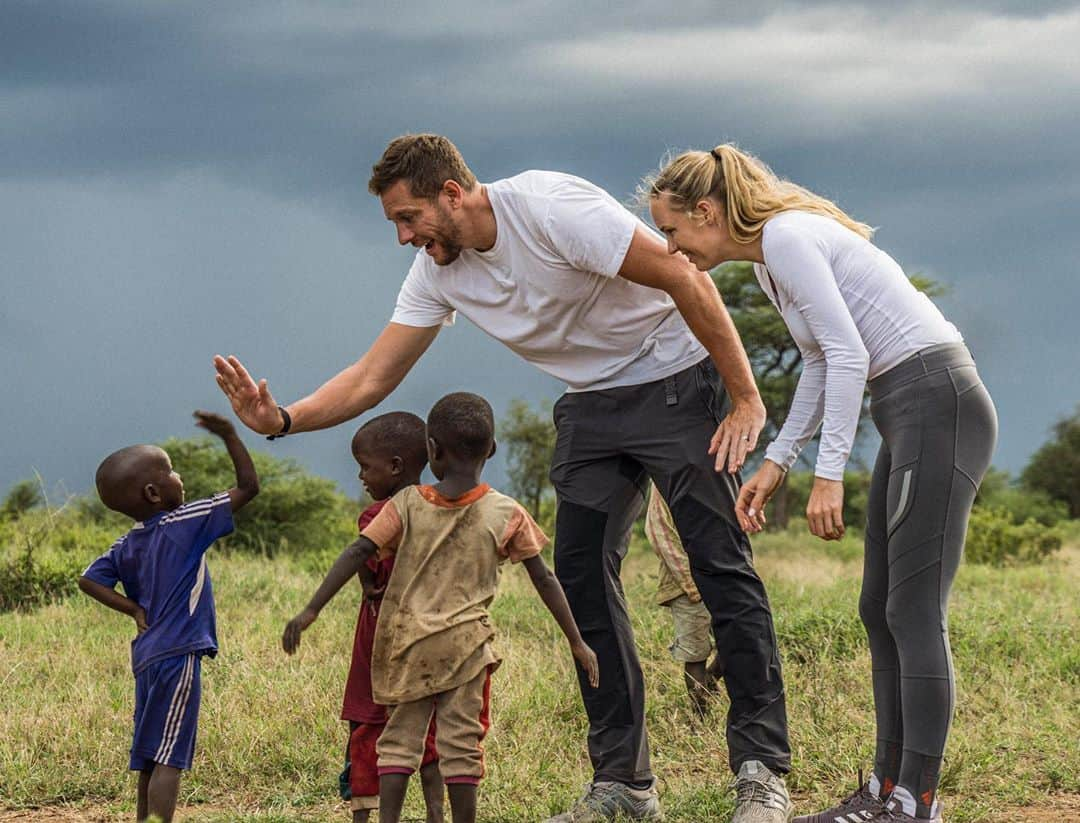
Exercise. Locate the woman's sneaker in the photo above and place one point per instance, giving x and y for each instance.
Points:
(760, 795)
(900, 808)
(861, 806)
(605, 801)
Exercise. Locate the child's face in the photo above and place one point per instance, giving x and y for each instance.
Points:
(169, 485)
(379, 473)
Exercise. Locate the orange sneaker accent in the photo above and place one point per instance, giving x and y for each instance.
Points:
(888, 787)
(927, 797)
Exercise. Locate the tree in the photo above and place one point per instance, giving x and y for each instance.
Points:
(529, 440)
(1055, 467)
(21, 498)
(773, 355)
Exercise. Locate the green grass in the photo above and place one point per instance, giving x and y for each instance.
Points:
(270, 742)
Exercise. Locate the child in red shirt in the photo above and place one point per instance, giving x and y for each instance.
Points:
(391, 451)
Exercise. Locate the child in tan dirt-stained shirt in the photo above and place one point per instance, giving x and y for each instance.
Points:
(433, 642)
(676, 591)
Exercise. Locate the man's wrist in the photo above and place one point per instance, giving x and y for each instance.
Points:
(286, 424)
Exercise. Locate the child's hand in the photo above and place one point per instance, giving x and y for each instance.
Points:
(290, 640)
(140, 620)
(587, 658)
(371, 591)
(214, 423)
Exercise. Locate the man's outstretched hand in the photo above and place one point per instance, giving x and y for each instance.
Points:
(252, 403)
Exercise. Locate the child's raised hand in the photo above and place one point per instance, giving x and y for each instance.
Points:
(213, 423)
(290, 640)
(587, 658)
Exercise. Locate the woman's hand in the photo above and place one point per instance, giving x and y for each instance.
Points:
(755, 493)
(825, 511)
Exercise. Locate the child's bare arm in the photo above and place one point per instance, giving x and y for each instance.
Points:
(349, 562)
(116, 601)
(547, 586)
(247, 480)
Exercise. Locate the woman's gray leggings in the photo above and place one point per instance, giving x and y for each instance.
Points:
(938, 429)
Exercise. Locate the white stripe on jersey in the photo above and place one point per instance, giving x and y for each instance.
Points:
(202, 507)
(119, 540)
(196, 590)
(197, 509)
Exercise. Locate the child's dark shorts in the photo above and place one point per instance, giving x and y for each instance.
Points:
(166, 712)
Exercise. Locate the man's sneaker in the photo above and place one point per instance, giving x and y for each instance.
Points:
(900, 808)
(760, 795)
(858, 807)
(606, 801)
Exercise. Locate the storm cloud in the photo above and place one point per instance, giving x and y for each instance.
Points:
(178, 180)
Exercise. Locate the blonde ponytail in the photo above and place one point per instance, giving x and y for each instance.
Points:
(750, 191)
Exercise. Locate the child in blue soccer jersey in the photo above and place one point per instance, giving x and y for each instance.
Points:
(162, 564)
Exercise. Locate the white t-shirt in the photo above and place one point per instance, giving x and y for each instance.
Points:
(548, 288)
(853, 314)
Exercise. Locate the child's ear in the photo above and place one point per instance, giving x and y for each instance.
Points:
(397, 465)
(494, 446)
(151, 494)
(434, 450)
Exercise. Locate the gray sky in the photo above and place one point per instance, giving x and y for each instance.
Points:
(178, 180)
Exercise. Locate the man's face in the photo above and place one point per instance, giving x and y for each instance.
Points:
(422, 223)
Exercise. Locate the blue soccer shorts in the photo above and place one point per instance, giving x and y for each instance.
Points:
(166, 713)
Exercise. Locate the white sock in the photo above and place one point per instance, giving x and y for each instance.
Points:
(904, 799)
(875, 785)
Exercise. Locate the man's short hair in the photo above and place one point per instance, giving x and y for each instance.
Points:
(395, 434)
(464, 424)
(427, 161)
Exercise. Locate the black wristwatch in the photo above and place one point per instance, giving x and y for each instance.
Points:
(285, 426)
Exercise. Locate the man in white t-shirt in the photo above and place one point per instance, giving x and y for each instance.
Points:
(560, 272)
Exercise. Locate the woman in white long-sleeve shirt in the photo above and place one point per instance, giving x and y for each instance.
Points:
(856, 317)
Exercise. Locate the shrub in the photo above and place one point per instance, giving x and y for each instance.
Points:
(998, 490)
(35, 568)
(994, 537)
(21, 498)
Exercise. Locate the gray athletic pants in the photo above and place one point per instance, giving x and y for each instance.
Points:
(609, 443)
(938, 428)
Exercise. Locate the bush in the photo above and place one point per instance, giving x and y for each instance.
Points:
(994, 537)
(21, 498)
(39, 562)
(26, 582)
(998, 490)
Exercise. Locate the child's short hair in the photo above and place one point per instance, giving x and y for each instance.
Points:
(121, 476)
(463, 423)
(395, 434)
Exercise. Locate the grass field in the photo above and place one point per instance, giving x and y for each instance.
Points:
(271, 745)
